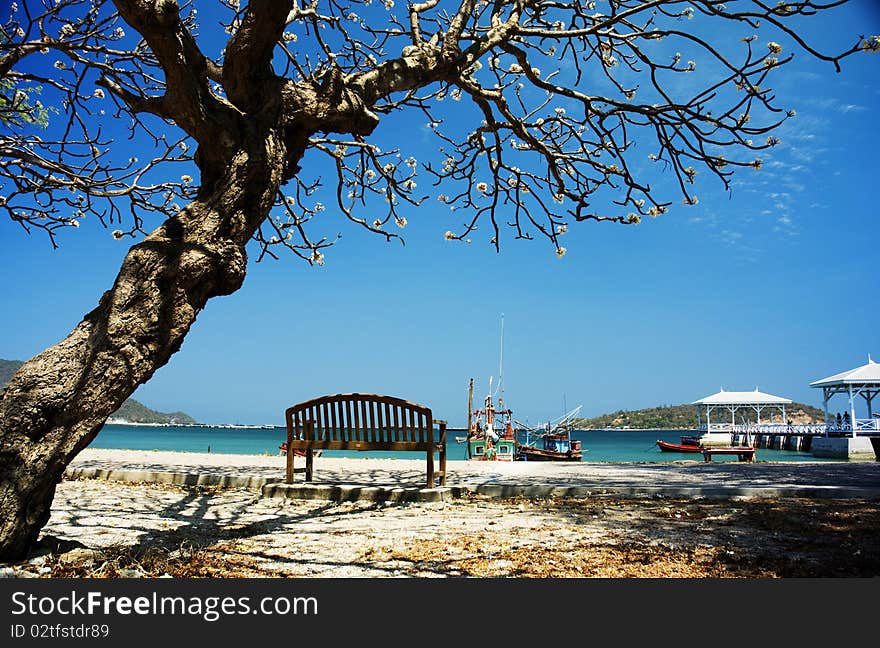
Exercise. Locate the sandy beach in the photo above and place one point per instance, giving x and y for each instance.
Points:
(111, 528)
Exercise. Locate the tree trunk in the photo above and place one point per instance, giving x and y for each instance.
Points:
(57, 402)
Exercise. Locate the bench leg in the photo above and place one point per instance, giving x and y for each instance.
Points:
(430, 467)
(289, 478)
(309, 464)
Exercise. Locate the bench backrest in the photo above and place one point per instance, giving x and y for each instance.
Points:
(360, 421)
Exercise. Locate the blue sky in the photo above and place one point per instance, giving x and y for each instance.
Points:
(772, 285)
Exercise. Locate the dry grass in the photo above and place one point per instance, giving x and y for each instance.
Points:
(476, 537)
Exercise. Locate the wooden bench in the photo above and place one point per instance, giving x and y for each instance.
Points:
(363, 422)
(744, 453)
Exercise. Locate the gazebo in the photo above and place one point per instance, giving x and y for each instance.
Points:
(726, 403)
(851, 438)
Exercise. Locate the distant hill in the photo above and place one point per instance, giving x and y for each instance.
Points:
(683, 417)
(131, 411)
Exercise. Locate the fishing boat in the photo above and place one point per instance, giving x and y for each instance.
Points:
(491, 436)
(552, 442)
(665, 446)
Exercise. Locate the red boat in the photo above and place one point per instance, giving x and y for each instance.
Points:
(297, 453)
(677, 447)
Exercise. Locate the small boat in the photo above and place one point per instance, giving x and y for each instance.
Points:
(556, 447)
(555, 441)
(282, 449)
(665, 446)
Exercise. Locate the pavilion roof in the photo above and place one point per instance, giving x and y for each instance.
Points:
(868, 374)
(742, 398)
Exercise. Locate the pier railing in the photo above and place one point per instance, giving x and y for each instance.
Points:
(864, 426)
(871, 425)
(802, 429)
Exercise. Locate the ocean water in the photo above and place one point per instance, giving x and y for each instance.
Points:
(614, 446)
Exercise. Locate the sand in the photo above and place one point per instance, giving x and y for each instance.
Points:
(105, 529)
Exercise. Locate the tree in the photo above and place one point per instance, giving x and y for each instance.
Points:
(565, 94)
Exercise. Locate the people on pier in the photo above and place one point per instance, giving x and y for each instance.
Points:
(839, 422)
(846, 422)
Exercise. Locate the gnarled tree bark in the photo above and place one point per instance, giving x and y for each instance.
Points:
(57, 402)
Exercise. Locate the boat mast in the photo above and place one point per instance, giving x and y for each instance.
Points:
(501, 364)
(470, 405)
(470, 416)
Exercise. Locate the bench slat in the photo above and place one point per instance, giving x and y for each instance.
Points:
(374, 430)
(388, 432)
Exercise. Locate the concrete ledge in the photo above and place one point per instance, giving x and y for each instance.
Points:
(355, 493)
(176, 478)
(707, 492)
(859, 447)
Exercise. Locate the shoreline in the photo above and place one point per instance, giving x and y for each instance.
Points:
(223, 426)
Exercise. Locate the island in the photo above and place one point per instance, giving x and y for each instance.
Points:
(679, 417)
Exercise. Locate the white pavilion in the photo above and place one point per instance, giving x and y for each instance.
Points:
(724, 406)
(851, 438)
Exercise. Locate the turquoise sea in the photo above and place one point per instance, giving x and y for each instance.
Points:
(599, 445)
